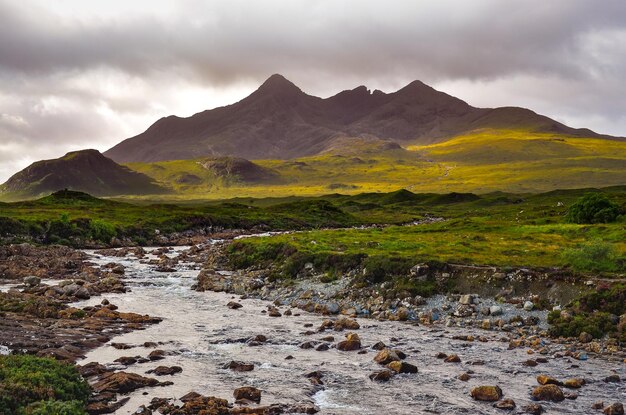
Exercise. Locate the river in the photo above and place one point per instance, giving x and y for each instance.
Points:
(201, 334)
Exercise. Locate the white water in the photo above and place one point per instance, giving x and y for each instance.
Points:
(202, 334)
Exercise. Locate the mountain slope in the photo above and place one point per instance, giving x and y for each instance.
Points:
(279, 121)
(86, 171)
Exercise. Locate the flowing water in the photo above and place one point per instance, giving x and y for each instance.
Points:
(201, 334)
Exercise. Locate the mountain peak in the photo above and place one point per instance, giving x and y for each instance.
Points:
(279, 84)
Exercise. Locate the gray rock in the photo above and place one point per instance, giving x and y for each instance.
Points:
(466, 299)
(495, 310)
(528, 305)
(32, 281)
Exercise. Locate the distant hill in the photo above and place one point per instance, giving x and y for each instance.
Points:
(280, 121)
(85, 171)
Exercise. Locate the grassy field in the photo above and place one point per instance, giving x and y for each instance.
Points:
(495, 229)
(482, 162)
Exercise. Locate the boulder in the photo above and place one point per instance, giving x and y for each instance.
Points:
(386, 356)
(247, 393)
(32, 281)
(165, 370)
(549, 392)
(533, 408)
(233, 305)
(548, 380)
(466, 299)
(614, 409)
(382, 376)
(495, 310)
(574, 383)
(352, 342)
(123, 382)
(505, 404)
(453, 358)
(402, 367)
(239, 366)
(486, 393)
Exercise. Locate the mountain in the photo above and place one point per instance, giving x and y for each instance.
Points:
(86, 171)
(280, 121)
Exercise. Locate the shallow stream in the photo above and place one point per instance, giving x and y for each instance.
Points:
(201, 334)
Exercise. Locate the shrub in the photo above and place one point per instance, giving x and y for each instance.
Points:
(101, 230)
(380, 268)
(593, 208)
(37, 386)
(592, 256)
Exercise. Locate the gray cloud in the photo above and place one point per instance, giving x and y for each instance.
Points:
(77, 74)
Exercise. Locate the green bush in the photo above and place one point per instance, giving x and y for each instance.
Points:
(33, 385)
(593, 256)
(598, 324)
(593, 208)
(379, 268)
(101, 230)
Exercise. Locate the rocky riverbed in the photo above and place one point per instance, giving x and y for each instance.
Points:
(279, 349)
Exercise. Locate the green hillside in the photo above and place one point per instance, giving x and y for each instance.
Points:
(484, 161)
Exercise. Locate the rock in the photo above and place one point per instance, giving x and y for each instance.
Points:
(466, 299)
(156, 355)
(530, 363)
(495, 310)
(386, 356)
(234, 305)
(585, 337)
(402, 314)
(597, 405)
(123, 382)
(307, 345)
(533, 408)
(352, 342)
(164, 370)
(464, 310)
(548, 380)
(612, 379)
(574, 383)
(126, 360)
(142, 410)
(378, 346)
(549, 392)
(464, 377)
(614, 409)
(247, 393)
(104, 407)
(402, 367)
(506, 404)
(273, 312)
(333, 308)
(32, 281)
(453, 358)
(486, 393)
(382, 376)
(529, 306)
(239, 366)
(92, 369)
(345, 323)
(322, 347)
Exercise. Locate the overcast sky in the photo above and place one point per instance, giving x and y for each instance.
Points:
(87, 74)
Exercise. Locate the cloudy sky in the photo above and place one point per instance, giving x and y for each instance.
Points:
(87, 74)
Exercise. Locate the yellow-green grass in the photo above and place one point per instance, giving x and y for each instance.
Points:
(472, 241)
(480, 162)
